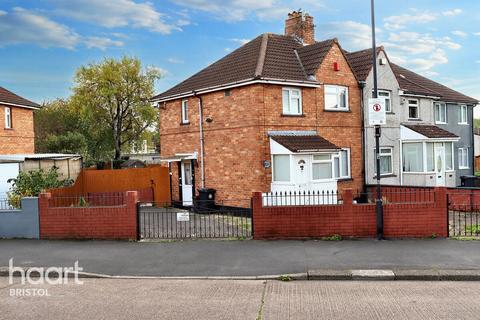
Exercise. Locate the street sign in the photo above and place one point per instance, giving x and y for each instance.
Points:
(376, 112)
(183, 216)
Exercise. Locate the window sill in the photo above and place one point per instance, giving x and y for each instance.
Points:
(414, 119)
(463, 124)
(286, 115)
(442, 123)
(392, 113)
(330, 110)
(390, 175)
(344, 179)
(8, 128)
(463, 168)
(184, 123)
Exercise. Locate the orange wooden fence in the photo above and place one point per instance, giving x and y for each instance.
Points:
(155, 177)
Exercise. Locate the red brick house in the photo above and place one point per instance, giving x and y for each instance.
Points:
(16, 114)
(281, 113)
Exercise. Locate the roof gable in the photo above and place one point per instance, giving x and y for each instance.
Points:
(362, 62)
(8, 97)
(312, 56)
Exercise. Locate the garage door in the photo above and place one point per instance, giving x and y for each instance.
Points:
(7, 171)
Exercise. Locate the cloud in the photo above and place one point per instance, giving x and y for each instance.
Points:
(239, 10)
(118, 13)
(352, 35)
(240, 41)
(476, 34)
(162, 72)
(401, 21)
(460, 33)
(175, 60)
(453, 12)
(101, 43)
(477, 61)
(23, 26)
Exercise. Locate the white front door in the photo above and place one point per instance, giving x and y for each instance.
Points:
(440, 164)
(302, 172)
(187, 187)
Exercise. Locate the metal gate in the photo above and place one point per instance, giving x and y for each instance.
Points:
(158, 221)
(464, 213)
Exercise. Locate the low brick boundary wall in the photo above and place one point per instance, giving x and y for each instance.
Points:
(401, 220)
(20, 223)
(106, 222)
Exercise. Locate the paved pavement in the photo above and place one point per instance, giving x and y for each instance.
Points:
(224, 299)
(241, 258)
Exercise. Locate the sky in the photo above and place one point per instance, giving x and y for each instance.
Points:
(43, 42)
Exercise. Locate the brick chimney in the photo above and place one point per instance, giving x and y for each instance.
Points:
(300, 25)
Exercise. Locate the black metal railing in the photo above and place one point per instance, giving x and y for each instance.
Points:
(464, 220)
(204, 220)
(10, 204)
(301, 198)
(398, 196)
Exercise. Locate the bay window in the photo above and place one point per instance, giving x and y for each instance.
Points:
(281, 168)
(336, 98)
(413, 157)
(292, 101)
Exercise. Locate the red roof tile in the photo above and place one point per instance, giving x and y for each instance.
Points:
(430, 131)
(297, 143)
(8, 97)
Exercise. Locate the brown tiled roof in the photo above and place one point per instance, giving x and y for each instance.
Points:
(9, 97)
(269, 56)
(414, 83)
(297, 143)
(430, 131)
(361, 62)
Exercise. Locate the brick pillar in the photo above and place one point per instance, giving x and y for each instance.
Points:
(131, 204)
(43, 205)
(347, 197)
(441, 205)
(256, 211)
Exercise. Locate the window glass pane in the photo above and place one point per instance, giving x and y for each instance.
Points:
(430, 157)
(344, 163)
(412, 112)
(413, 102)
(448, 156)
(343, 97)
(385, 164)
(322, 170)
(295, 105)
(336, 167)
(331, 101)
(413, 157)
(331, 90)
(321, 157)
(286, 101)
(281, 168)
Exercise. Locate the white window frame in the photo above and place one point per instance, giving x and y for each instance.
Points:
(8, 118)
(185, 111)
(438, 107)
(349, 171)
(417, 105)
(388, 107)
(287, 110)
(336, 87)
(461, 112)
(463, 155)
(332, 173)
(452, 155)
(390, 154)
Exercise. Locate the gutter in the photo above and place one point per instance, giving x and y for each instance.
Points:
(202, 138)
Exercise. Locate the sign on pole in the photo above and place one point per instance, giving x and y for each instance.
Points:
(376, 112)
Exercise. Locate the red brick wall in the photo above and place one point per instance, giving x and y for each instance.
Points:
(112, 222)
(236, 141)
(461, 199)
(20, 138)
(350, 220)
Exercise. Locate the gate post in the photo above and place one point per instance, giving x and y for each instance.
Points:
(138, 221)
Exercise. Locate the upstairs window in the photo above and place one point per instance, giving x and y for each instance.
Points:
(292, 101)
(185, 111)
(336, 98)
(462, 115)
(388, 101)
(8, 118)
(440, 113)
(413, 109)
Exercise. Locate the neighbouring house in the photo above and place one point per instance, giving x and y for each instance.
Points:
(476, 138)
(69, 166)
(16, 113)
(281, 113)
(428, 137)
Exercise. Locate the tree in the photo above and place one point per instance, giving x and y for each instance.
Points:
(116, 94)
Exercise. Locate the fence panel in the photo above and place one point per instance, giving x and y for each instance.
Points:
(300, 198)
(463, 214)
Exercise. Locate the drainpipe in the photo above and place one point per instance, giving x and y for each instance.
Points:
(362, 85)
(202, 138)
